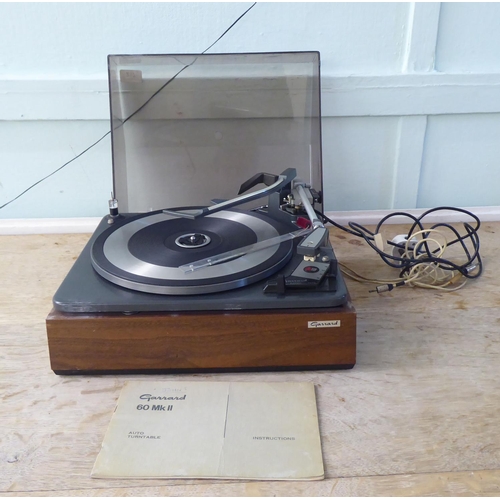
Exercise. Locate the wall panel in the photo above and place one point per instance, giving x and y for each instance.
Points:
(31, 150)
(411, 94)
(359, 158)
(469, 38)
(461, 162)
(70, 39)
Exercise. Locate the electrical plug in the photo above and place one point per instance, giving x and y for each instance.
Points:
(400, 240)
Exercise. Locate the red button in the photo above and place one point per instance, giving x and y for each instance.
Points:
(311, 269)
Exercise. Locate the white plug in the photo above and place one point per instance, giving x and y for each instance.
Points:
(401, 240)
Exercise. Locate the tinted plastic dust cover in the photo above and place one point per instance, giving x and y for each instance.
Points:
(187, 129)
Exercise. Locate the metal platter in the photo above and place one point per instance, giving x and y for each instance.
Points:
(144, 252)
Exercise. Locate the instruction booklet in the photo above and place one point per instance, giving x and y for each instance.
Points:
(222, 430)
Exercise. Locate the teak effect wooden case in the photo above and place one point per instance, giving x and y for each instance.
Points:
(202, 341)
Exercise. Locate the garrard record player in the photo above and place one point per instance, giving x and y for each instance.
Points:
(212, 257)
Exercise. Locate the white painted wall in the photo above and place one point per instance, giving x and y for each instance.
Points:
(411, 94)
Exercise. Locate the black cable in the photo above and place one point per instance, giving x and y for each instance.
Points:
(473, 259)
(57, 170)
(185, 67)
(230, 27)
(134, 113)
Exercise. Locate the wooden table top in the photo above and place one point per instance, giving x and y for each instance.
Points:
(418, 415)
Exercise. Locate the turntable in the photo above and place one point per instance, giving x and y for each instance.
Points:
(212, 257)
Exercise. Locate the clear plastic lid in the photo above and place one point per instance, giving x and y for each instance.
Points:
(188, 129)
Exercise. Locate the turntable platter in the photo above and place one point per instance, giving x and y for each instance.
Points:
(144, 252)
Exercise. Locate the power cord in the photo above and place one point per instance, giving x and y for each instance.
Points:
(420, 254)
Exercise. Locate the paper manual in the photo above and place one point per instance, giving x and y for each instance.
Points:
(226, 430)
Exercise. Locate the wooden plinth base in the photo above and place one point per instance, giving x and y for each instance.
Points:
(202, 341)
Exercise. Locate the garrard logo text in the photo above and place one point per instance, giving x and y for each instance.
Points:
(323, 324)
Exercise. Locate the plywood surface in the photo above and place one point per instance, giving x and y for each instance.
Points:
(418, 415)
